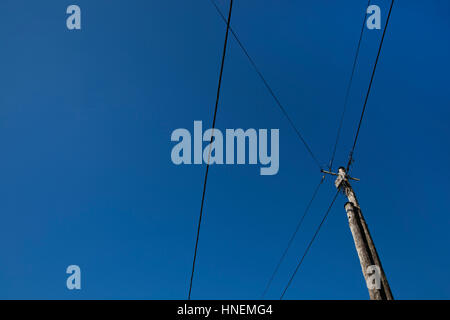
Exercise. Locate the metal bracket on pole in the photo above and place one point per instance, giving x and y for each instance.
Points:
(341, 176)
(337, 174)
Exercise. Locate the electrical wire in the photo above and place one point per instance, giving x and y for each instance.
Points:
(292, 237)
(212, 135)
(309, 246)
(350, 160)
(349, 85)
(269, 88)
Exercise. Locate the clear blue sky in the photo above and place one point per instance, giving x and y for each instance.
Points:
(85, 170)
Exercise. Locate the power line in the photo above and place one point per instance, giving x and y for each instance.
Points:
(269, 88)
(348, 88)
(368, 90)
(292, 237)
(212, 135)
(309, 245)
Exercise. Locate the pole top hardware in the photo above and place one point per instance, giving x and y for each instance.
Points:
(340, 172)
(341, 177)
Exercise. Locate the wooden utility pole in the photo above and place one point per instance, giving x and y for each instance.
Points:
(370, 262)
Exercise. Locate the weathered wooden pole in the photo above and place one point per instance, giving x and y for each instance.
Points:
(361, 248)
(370, 262)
